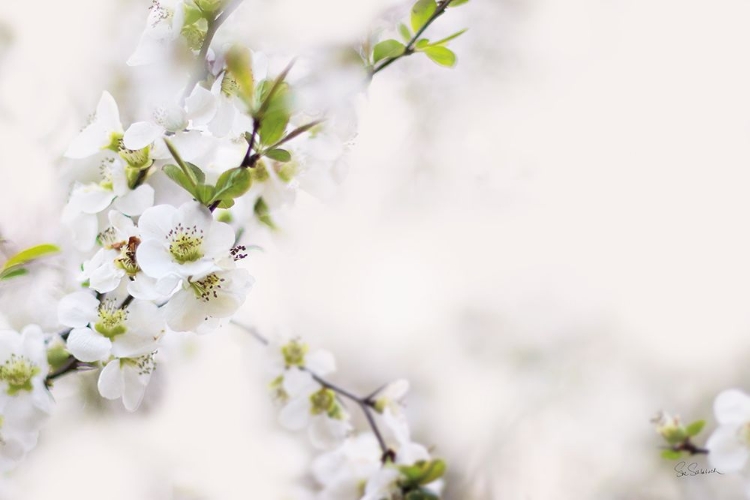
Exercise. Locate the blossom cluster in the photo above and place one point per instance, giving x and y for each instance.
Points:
(382, 462)
(159, 214)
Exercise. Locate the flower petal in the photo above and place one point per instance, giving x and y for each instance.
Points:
(726, 451)
(87, 345)
(732, 407)
(135, 202)
(110, 380)
(77, 309)
(141, 134)
(295, 415)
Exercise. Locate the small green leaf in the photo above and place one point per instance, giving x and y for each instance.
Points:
(192, 14)
(421, 494)
(297, 131)
(422, 43)
(239, 62)
(441, 55)
(423, 472)
(181, 179)
(204, 193)
(228, 203)
(273, 126)
(273, 93)
(281, 155)
(421, 13)
(262, 213)
(671, 454)
(404, 31)
(451, 37)
(695, 428)
(29, 254)
(456, 3)
(13, 272)
(387, 49)
(232, 184)
(193, 173)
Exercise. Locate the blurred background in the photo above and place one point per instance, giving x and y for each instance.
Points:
(550, 241)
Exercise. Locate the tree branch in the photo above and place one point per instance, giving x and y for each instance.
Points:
(365, 403)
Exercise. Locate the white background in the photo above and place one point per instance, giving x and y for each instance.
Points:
(550, 241)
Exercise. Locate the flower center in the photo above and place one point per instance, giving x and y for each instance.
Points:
(136, 158)
(126, 260)
(145, 363)
(105, 171)
(111, 320)
(18, 372)
(185, 243)
(207, 288)
(294, 353)
(324, 401)
(229, 85)
(161, 13)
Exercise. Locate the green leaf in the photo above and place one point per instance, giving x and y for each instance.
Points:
(30, 254)
(387, 49)
(451, 37)
(228, 203)
(12, 272)
(193, 173)
(404, 32)
(671, 454)
(271, 92)
(297, 131)
(232, 184)
(423, 472)
(239, 62)
(421, 495)
(281, 155)
(192, 14)
(421, 43)
(441, 55)
(456, 3)
(204, 193)
(695, 428)
(181, 179)
(421, 13)
(273, 126)
(262, 213)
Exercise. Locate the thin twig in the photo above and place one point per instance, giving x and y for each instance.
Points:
(365, 404)
(71, 365)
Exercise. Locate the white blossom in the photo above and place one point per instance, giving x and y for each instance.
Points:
(202, 301)
(184, 242)
(729, 445)
(163, 26)
(312, 406)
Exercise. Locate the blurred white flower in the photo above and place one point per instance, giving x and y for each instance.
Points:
(24, 400)
(343, 471)
(163, 28)
(729, 445)
(104, 131)
(312, 406)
